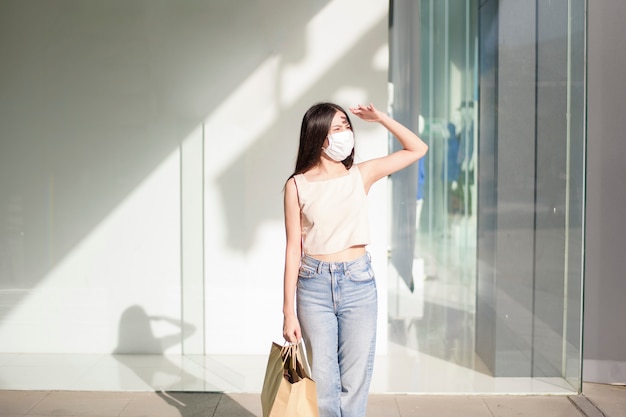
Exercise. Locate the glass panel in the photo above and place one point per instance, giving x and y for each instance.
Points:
(431, 305)
(494, 282)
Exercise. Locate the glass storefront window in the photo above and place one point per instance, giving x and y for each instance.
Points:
(485, 261)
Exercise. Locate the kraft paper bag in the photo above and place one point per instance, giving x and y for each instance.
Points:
(288, 390)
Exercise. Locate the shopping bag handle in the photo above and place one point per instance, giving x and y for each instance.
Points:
(298, 367)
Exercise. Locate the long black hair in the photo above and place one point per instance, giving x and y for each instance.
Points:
(315, 126)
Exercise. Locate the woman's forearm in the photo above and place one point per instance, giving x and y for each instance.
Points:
(407, 138)
(292, 263)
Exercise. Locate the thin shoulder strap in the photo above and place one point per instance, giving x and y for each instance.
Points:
(295, 182)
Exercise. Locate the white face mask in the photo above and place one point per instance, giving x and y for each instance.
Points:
(340, 145)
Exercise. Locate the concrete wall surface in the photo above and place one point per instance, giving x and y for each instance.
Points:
(605, 276)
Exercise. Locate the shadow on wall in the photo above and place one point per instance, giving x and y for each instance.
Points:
(257, 178)
(95, 95)
(136, 336)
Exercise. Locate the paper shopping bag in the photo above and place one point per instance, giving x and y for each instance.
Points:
(288, 390)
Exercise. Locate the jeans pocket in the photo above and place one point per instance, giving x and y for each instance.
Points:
(361, 273)
(306, 272)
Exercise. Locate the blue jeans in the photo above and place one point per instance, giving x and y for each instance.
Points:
(337, 309)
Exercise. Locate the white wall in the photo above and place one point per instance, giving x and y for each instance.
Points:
(337, 53)
(116, 117)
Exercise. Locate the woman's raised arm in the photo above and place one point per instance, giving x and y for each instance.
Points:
(414, 147)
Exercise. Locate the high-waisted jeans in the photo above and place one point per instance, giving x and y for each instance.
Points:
(337, 310)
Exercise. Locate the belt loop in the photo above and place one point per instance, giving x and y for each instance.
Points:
(319, 267)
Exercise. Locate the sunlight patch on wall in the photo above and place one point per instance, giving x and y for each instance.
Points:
(130, 258)
(238, 121)
(333, 32)
(250, 140)
(380, 61)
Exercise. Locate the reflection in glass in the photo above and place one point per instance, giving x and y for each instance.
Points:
(489, 276)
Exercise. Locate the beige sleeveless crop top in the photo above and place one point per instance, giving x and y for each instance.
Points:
(333, 213)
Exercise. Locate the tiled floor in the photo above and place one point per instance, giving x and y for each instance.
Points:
(600, 401)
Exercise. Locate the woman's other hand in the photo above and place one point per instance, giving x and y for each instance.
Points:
(291, 329)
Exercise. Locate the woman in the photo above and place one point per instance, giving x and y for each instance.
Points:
(326, 262)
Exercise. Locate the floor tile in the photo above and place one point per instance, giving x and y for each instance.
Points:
(55, 359)
(587, 408)
(111, 378)
(382, 406)
(19, 402)
(230, 407)
(530, 406)
(250, 402)
(171, 404)
(442, 406)
(611, 399)
(242, 372)
(64, 403)
(50, 377)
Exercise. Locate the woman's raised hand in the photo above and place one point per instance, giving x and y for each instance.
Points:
(368, 113)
